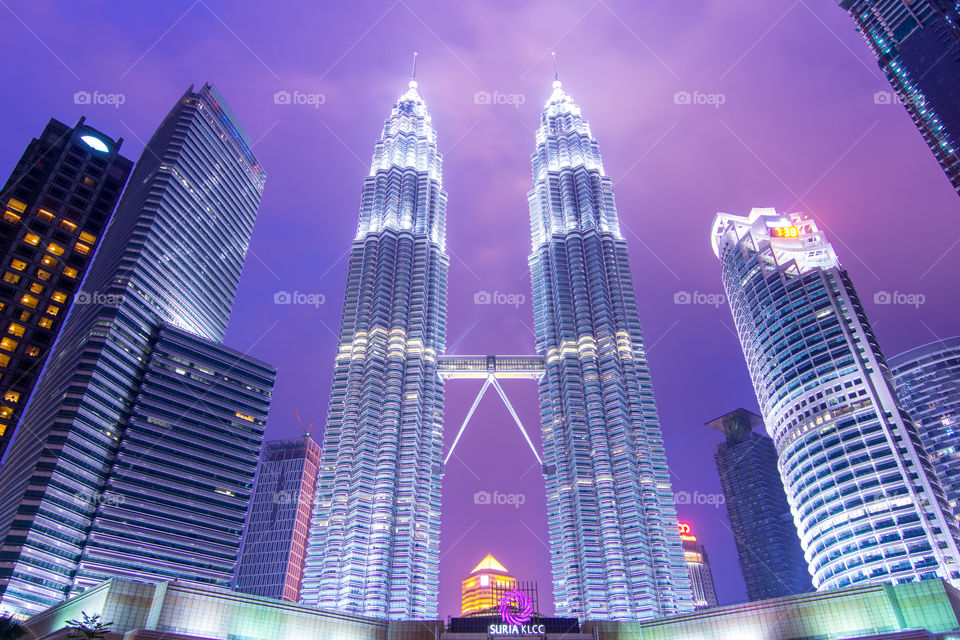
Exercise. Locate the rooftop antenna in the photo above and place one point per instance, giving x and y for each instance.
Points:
(413, 73)
(306, 430)
(556, 72)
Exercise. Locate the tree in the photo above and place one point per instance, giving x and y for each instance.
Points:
(11, 628)
(88, 628)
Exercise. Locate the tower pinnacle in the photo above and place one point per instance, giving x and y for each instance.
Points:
(413, 73)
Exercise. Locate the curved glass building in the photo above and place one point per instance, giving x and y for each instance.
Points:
(864, 497)
(374, 539)
(927, 380)
(615, 547)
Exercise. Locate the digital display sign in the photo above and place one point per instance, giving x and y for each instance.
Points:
(784, 232)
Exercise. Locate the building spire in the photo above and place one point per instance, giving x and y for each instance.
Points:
(413, 73)
(556, 72)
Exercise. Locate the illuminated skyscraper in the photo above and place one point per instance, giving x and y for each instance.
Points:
(698, 564)
(866, 501)
(927, 380)
(137, 454)
(917, 45)
(278, 523)
(769, 551)
(374, 541)
(56, 205)
(615, 548)
(481, 591)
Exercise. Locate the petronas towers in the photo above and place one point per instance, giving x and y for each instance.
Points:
(374, 549)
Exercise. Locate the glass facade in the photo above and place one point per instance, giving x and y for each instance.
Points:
(615, 548)
(927, 380)
(866, 501)
(55, 207)
(278, 522)
(374, 540)
(768, 547)
(161, 289)
(917, 45)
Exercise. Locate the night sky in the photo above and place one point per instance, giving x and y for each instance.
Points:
(784, 111)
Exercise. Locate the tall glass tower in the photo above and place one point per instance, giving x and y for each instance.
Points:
(615, 548)
(864, 497)
(374, 547)
(927, 380)
(136, 456)
(917, 45)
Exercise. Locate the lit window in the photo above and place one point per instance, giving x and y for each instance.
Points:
(69, 226)
(89, 238)
(43, 214)
(43, 274)
(16, 205)
(59, 296)
(49, 261)
(33, 352)
(24, 316)
(8, 344)
(70, 272)
(46, 323)
(29, 301)
(12, 396)
(19, 265)
(16, 329)
(10, 216)
(11, 277)
(4, 359)
(81, 248)
(6, 412)
(53, 309)
(31, 238)
(55, 249)
(36, 287)
(88, 181)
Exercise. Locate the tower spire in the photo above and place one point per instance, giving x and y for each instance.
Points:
(413, 73)
(556, 72)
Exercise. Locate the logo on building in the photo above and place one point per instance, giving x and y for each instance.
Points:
(515, 607)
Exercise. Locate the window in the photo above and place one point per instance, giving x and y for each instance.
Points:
(24, 316)
(36, 287)
(16, 329)
(16, 205)
(32, 238)
(4, 359)
(69, 226)
(12, 396)
(55, 249)
(70, 272)
(43, 214)
(89, 238)
(59, 296)
(11, 277)
(10, 216)
(49, 261)
(5, 412)
(29, 301)
(81, 248)
(53, 309)
(8, 344)
(43, 274)
(33, 351)
(19, 265)
(88, 181)
(46, 323)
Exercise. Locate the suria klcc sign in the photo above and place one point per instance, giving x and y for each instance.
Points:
(516, 611)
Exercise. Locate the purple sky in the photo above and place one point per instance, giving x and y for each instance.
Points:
(799, 129)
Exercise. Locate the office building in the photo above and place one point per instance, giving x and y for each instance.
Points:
(866, 501)
(927, 380)
(698, 564)
(768, 546)
(374, 540)
(917, 46)
(615, 548)
(136, 457)
(56, 205)
(278, 523)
